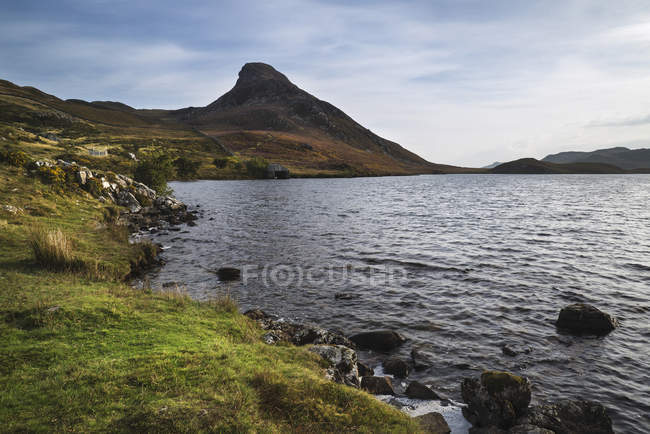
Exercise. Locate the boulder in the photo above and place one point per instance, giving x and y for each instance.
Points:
(496, 399)
(433, 423)
(396, 367)
(305, 335)
(144, 191)
(417, 390)
(228, 274)
(256, 314)
(168, 204)
(365, 370)
(124, 198)
(582, 318)
(377, 385)
(380, 340)
(529, 429)
(569, 417)
(343, 363)
(420, 361)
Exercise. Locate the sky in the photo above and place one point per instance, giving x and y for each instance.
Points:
(463, 82)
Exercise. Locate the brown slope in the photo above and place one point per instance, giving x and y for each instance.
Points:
(266, 114)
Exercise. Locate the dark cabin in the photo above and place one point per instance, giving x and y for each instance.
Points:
(277, 171)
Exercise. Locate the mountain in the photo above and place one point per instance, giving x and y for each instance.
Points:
(263, 115)
(533, 166)
(621, 157)
(266, 115)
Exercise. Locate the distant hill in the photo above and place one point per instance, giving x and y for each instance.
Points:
(533, 166)
(492, 166)
(263, 115)
(621, 157)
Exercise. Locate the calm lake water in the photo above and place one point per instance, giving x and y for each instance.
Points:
(460, 264)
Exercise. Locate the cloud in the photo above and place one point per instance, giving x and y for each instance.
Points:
(464, 82)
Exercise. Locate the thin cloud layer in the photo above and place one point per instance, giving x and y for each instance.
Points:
(462, 83)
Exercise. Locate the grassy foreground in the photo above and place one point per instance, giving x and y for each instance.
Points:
(82, 351)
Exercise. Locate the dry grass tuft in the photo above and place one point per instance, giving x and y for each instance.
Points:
(54, 251)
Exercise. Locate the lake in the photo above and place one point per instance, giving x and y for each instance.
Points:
(459, 264)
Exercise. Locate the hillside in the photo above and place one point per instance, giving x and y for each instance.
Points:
(263, 116)
(621, 157)
(533, 166)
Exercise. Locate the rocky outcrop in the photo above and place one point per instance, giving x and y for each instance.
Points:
(377, 385)
(433, 423)
(145, 208)
(569, 417)
(343, 363)
(582, 318)
(380, 340)
(496, 399)
(397, 367)
(297, 334)
(417, 390)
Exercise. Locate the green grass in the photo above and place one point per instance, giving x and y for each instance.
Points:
(84, 352)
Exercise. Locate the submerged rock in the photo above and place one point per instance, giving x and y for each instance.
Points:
(569, 417)
(582, 318)
(496, 399)
(228, 274)
(420, 361)
(417, 390)
(343, 361)
(433, 423)
(397, 367)
(377, 385)
(380, 340)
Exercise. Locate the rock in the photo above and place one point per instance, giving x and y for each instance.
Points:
(305, 335)
(582, 318)
(497, 399)
(508, 351)
(377, 385)
(380, 340)
(83, 175)
(433, 423)
(417, 390)
(397, 367)
(343, 360)
(420, 361)
(569, 417)
(273, 337)
(365, 370)
(529, 429)
(227, 274)
(487, 430)
(124, 198)
(144, 191)
(11, 209)
(168, 204)
(256, 314)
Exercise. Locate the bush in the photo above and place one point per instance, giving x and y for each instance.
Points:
(94, 187)
(53, 175)
(220, 162)
(154, 172)
(256, 167)
(53, 250)
(186, 168)
(14, 158)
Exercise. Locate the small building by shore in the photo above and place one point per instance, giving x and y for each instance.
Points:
(277, 171)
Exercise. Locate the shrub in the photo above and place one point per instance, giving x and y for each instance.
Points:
(53, 175)
(220, 162)
(53, 250)
(256, 167)
(94, 187)
(14, 158)
(186, 168)
(155, 171)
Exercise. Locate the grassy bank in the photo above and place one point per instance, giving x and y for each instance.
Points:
(82, 351)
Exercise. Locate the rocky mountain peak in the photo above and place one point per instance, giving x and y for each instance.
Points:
(256, 72)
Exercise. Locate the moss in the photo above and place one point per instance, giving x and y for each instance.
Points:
(497, 381)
